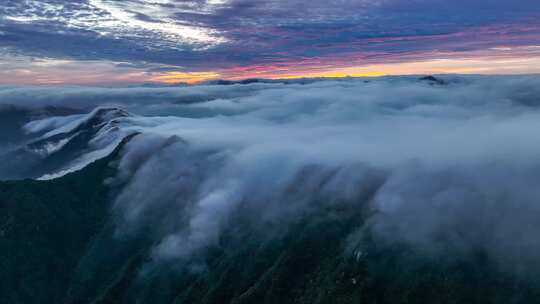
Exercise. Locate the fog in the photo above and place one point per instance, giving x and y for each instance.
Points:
(453, 165)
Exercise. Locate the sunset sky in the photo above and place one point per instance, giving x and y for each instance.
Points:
(106, 42)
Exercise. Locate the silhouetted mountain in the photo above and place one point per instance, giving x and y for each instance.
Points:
(265, 80)
(432, 80)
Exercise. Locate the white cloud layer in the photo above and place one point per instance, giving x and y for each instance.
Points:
(455, 164)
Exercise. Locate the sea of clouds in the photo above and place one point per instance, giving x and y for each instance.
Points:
(453, 164)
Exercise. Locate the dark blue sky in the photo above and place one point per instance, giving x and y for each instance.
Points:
(100, 41)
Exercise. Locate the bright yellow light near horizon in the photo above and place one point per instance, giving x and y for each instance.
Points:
(475, 65)
(333, 74)
(22, 70)
(187, 77)
(478, 65)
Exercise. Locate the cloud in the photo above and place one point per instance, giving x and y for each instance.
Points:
(133, 98)
(446, 168)
(218, 35)
(435, 155)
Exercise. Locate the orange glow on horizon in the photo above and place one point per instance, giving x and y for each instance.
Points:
(521, 60)
(497, 60)
(186, 77)
(467, 65)
(334, 74)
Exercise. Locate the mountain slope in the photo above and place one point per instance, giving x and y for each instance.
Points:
(45, 228)
(58, 245)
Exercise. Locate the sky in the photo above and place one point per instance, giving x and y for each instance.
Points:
(108, 42)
